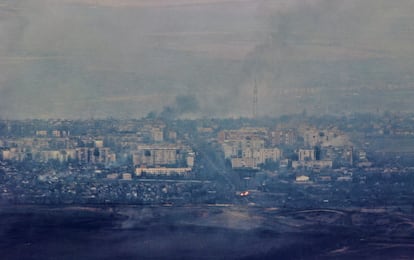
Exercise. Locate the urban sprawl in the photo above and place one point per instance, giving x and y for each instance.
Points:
(288, 161)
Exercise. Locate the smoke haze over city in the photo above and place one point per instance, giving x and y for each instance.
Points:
(206, 129)
(127, 58)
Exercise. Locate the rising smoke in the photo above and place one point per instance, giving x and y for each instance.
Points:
(81, 58)
(183, 105)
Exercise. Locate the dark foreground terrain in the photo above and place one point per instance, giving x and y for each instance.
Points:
(204, 232)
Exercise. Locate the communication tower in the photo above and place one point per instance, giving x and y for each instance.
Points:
(255, 100)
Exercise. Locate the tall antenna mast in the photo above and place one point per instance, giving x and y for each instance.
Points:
(255, 100)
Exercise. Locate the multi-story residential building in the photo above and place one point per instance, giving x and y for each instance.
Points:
(158, 155)
(157, 134)
(269, 154)
(283, 137)
(307, 155)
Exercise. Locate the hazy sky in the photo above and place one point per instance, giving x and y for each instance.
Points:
(125, 58)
